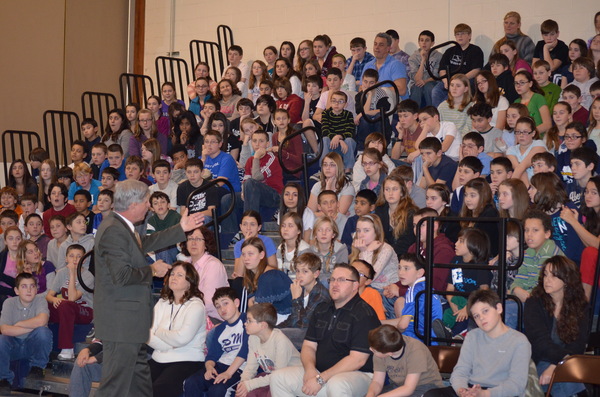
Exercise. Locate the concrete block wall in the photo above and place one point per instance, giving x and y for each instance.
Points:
(259, 23)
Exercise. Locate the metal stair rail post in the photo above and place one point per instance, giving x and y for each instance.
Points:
(63, 127)
(382, 111)
(176, 71)
(24, 141)
(215, 219)
(209, 52)
(96, 105)
(306, 162)
(135, 88)
(429, 264)
(225, 40)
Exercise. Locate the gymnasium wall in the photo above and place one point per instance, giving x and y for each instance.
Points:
(53, 51)
(258, 23)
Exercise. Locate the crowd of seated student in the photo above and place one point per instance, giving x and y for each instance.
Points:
(518, 137)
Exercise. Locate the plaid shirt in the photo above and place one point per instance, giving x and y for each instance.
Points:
(300, 314)
(359, 65)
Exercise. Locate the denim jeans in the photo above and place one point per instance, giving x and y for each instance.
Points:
(81, 379)
(35, 347)
(423, 95)
(348, 157)
(258, 194)
(438, 94)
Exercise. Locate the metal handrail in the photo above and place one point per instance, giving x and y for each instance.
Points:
(90, 269)
(382, 113)
(449, 73)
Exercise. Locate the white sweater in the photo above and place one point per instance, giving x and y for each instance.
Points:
(185, 339)
(276, 353)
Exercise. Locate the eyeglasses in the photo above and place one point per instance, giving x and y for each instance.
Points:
(517, 132)
(211, 142)
(364, 275)
(572, 137)
(304, 49)
(341, 280)
(482, 81)
(368, 163)
(195, 239)
(521, 83)
(338, 102)
(327, 165)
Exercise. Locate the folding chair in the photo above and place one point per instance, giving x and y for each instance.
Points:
(576, 368)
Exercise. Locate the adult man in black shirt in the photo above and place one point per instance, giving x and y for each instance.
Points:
(336, 360)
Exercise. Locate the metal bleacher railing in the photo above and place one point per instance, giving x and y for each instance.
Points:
(429, 264)
(61, 128)
(96, 105)
(135, 88)
(176, 71)
(17, 145)
(209, 52)
(213, 53)
(225, 40)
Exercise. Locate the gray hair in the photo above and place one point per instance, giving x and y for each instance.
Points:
(385, 36)
(129, 192)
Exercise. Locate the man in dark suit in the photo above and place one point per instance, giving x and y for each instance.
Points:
(123, 296)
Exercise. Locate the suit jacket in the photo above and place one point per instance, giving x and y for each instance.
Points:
(123, 287)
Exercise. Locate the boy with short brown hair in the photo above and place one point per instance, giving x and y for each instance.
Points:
(268, 348)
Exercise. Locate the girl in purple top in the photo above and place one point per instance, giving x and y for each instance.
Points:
(29, 259)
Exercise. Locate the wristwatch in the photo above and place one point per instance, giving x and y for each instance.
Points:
(320, 380)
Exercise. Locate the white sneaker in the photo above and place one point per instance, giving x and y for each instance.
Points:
(66, 355)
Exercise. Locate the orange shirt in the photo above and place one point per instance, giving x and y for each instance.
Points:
(373, 298)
